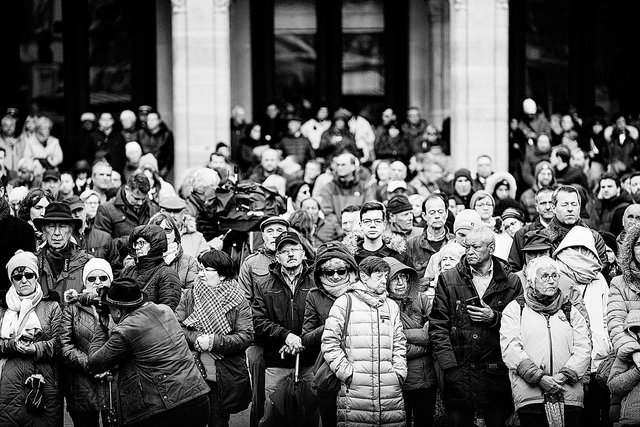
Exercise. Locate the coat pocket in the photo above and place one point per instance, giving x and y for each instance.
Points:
(132, 397)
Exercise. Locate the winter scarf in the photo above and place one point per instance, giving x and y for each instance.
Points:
(211, 304)
(545, 304)
(57, 259)
(336, 289)
(366, 295)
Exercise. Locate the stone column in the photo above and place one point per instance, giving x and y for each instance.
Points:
(201, 80)
(439, 54)
(480, 81)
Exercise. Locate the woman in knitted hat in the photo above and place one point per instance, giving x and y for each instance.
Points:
(29, 329)
(512, 220)
(87, 396)
(335, 269)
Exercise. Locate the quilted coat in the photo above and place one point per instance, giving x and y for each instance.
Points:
(82, 391)
(527, 335)
(19, 367)
(159, 281)
(186, 267)
(374, 365)
(624, 296)
(53, 288)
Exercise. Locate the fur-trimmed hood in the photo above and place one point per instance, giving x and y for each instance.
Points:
(353, 240)
(626, 259)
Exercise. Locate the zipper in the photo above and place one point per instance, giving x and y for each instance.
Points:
(379, 374)
(550, 347)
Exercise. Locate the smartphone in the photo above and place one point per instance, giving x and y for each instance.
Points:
(474, 301)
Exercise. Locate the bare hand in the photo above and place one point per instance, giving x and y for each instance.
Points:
(482, 314)
(550, 385)
(202, 343)
(293, 344)
(636, 359)
(216, 243)
(560, 378)
(24, 347)
(70, 295)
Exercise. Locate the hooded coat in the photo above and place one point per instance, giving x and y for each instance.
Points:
(469, 352)
(624, 296)
(414, 313)
(159, 281)
(373, 366)
(578, 260)
(624, 381)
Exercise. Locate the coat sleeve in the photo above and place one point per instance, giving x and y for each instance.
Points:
(56, 154)
(264, 328)
(439, 326)
(623, 343)
(103, 220)
(106, 355)
(245, 280)
(623, 377)
(183, 311)
(71, 355)
(326, 204)
(48, 350)
(192, 273)
(511, 345)
(169, 289)
(313, 325)
(334, 355)
(399, 344)
(515, 257)
(240, 338)
(580, 360)
(113, 256)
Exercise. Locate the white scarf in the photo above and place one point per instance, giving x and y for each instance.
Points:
(21, 317)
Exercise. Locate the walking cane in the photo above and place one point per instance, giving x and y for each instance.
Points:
(295, 374)
(112, 420)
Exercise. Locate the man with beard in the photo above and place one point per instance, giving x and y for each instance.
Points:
(346, 188)
(254, 269)
(545, 210)
(278, 313)
(400, 218)
(544, 177)
(268, 166)
(470, 297)
(435, 234)
(131, 207)
(60, 260)
(566, 201)
(609, 207)
(15, 234)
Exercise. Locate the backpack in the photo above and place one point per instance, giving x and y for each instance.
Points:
(243, 206)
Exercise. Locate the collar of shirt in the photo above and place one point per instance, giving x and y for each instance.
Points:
(291, 276)
(479, 274)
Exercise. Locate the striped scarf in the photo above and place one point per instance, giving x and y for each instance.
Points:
(211, 305)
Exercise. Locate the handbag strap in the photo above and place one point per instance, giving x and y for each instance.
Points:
(347, 317)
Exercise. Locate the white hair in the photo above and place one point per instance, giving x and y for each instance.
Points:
(536, 264)
(203, 178)
(127, 114)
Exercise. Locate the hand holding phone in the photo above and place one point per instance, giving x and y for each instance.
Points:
(474, 301)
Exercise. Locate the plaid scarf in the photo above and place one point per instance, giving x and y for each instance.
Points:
(211, 305)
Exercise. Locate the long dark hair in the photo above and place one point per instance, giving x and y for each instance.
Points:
(30, 200)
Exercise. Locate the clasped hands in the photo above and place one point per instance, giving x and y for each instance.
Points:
(292, 345)
(553, 384)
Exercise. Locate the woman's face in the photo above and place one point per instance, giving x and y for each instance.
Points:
(393, 132)
(546, 281)
(169, 231)
(96, 280)
(334, 270)
(511, 225)
(24, 280)
(213, 278)
(30, 124)
(303, 194)
(37, 211)
(502, 192)
(399, 284)
(383, 171)
(484, 207)
(142, 247)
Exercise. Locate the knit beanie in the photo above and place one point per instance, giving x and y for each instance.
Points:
(398, 204)
(23, 259)
(149, 160)
(331, 250)
(542, 165)
(513, 213)
(460, 173)
(96, 264)
(466, 220)
(480, 194)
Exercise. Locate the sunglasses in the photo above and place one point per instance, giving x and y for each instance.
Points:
(92, 279)
(330, 273)
(18, 277)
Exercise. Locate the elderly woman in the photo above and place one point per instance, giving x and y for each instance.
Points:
(369, 357)
(484, 203)
(216, 320)
(184, 265)
(157, 280)
(29, 341)
(419, 388)
(87, 395)
(335, 269)
(45, 148)
(32, 207)
(545, 344)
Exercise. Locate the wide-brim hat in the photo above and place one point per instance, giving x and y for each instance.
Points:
(57, 212)
(125, 292)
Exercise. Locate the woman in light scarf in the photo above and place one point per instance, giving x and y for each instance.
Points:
(545, 344)
(29, 341)
(217, 323)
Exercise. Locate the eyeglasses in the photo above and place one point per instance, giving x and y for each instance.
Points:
(289, 251)
(92, 279)
(168, 230)
(50, 228)
(339, 271)
(140, 244)
(546, 277)
(18, 277)
(372, 221)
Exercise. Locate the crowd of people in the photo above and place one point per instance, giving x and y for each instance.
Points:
(397, 290)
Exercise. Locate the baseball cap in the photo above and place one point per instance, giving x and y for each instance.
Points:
(287, 237)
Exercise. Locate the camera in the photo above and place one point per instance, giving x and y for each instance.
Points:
(96, 300)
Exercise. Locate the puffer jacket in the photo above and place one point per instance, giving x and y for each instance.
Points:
(159, 281)
(186, 267)
(550, 341)
(374, 366)
(19, 367)
(624, 296)
(156, 370)
(277, 312)
(414, 314)
(231, 371)
(53, 288)
(82, 391)
(624, 382)
(578, 260)
(469, 352)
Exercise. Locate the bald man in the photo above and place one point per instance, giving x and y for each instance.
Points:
(268, 166)
(631, 216)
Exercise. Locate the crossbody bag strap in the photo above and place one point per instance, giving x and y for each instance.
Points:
(347, 317)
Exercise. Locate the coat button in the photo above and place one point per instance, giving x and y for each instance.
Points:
(473, 365)
(475, 336)
(164, 397)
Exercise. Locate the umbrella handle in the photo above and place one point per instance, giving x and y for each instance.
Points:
(296, 373)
